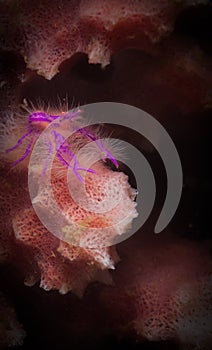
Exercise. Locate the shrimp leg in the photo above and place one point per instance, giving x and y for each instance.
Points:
(26, 153)
(19, 142)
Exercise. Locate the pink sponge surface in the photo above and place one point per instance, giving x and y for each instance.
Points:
(167, 293)
(44, 257)
(47, 33)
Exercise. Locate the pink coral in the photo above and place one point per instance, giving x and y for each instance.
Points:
(162, 284)
(167, 293)
(47, 32)
(60, 265)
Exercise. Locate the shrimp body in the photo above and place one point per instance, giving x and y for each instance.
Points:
(37, 122)
(40, 120)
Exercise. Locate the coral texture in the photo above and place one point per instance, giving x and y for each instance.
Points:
(58, 264)
(166, 296)
(46, 33)
(162, 286)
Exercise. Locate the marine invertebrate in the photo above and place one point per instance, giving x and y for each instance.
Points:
(58, 264)
(179, 74)
(169, 285)
(39, 120)
(45, 38)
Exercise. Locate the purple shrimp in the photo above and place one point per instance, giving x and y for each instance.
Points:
(63, 150)
(36, 117)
